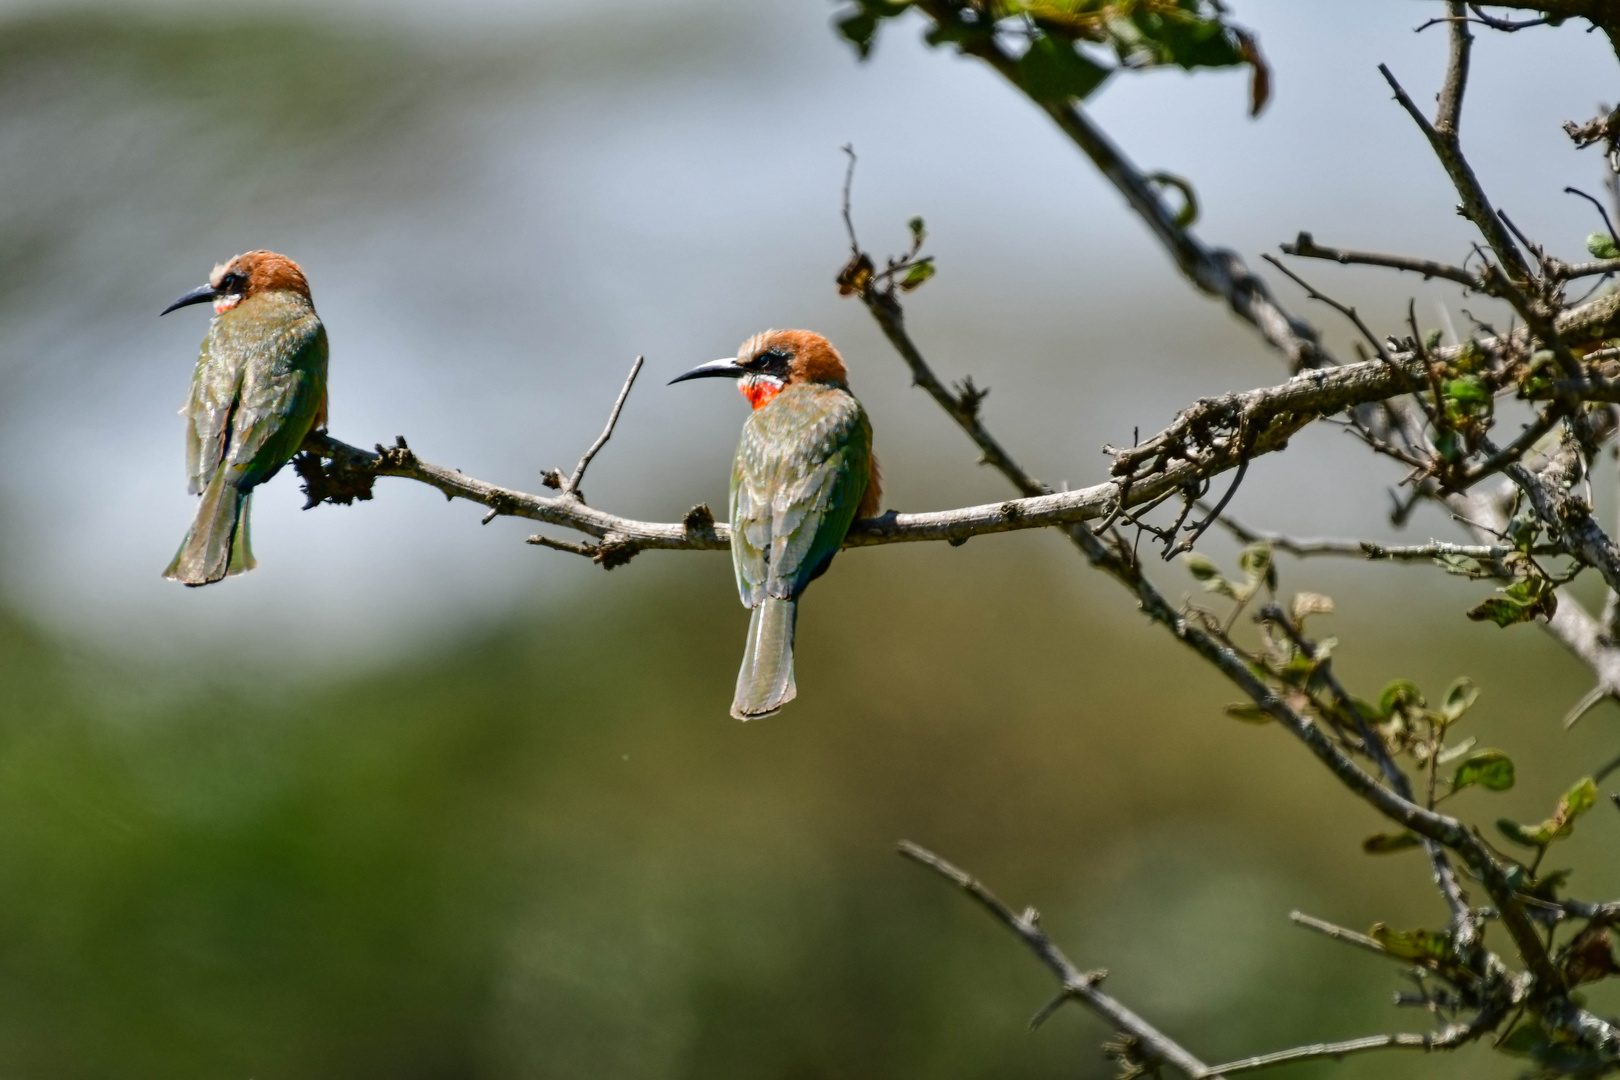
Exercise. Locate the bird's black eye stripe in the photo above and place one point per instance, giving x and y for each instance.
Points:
(233, 282)
(771, 362)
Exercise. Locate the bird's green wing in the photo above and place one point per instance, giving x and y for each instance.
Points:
(259, 383)
(279, 401)
(801, 469)
(214, 386)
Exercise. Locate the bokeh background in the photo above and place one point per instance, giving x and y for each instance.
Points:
(417, 800)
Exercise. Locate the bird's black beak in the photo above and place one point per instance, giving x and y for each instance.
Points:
(714, 369)
(200, 295)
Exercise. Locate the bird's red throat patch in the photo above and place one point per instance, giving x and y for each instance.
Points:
(759, 389)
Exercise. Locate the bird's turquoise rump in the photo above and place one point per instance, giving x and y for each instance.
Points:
(804, 472)
(258, 389)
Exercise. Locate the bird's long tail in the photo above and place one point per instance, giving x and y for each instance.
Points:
(218, 542)
(765, 682)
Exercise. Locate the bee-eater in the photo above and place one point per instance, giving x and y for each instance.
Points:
(804, 472)
(259, 387)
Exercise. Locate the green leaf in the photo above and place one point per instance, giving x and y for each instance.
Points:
(1204, 569)
(859, 25)
(1419, 945)
(1520, 602)
(919, 232)
(860, 30)
(1201, 566)
(1370, 712)
(1501, 611)
(1529, 835)
(1602, 246)
(1449, 446)
(1546, 885)
(1255, 562)
(1431, 340)
(1576, 801)
(1183, 38)
(1461, 565)
(1460, 697)
(1470, 358)
(1051, 70)
(1490, 769)
(920, 272)
(1248, 711)
(1399, 695)
(1524, 1040)
(1468, 391)
(1385, 843)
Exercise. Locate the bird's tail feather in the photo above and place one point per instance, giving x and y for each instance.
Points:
(218, 543)
(765, 682)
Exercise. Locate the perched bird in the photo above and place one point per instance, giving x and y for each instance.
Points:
(804, 472)
(259, 387)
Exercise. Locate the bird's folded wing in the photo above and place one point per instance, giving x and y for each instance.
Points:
(794, 493)
(278, 400)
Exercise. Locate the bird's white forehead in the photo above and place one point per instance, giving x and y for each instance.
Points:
(753, 346)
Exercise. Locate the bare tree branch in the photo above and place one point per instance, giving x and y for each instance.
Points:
(1080, 985)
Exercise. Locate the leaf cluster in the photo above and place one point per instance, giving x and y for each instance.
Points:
(1067, 49)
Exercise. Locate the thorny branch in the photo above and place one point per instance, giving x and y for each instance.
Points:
(1076, 984)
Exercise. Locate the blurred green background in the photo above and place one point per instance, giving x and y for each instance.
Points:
(414, 800)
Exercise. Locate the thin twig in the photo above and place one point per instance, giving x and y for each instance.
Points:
(1339, 1050)
(849, 183)
(1343, 309)
(1588, 702)
(1337, 933)
(1370, 549)
(1305, 247)
(571, 487)
(587, 550)
(1603, 211)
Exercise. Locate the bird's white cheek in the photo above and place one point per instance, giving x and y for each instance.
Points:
(226, 302)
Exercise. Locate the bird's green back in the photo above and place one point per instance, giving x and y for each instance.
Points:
(259, 384)
(801, 468)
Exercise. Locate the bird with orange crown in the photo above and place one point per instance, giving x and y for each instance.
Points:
(258, 389)
(804, 473)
